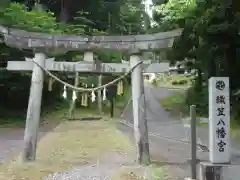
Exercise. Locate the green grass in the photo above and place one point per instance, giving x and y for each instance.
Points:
(158, 172)
(235, 129)
(177, 107)
(11, 122)
(142, 173)
(13, 118)
(168, 82)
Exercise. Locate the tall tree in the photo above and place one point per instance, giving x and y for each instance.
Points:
(210, 37)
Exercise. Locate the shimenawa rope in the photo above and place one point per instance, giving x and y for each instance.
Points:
(86, 89)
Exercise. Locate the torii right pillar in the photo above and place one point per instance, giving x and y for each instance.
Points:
(139, 110)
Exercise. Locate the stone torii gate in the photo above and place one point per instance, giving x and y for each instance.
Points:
(40, 43)
(77, 67)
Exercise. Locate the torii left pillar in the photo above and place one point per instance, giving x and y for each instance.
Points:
(139, 109)
(34, 109)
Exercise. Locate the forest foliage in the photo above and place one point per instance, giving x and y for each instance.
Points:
(92, 17)
(210, 39)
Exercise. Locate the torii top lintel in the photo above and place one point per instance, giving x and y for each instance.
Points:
(31, 40)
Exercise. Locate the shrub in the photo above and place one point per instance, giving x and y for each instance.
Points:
(182, 82)
(199, 98)
(174, 82)
(154, 82)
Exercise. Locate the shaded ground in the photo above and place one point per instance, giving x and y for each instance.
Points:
(10, 143)
(11, 140)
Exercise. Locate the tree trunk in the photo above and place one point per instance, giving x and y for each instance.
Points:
(212, 69)
(64, 15)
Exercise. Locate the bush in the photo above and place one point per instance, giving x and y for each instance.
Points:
(179, 103)
(180, 82)
(154, 82)
(174, 82)
(199, 98)
(176, 104)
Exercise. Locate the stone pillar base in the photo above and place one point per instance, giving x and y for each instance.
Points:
(209, 171)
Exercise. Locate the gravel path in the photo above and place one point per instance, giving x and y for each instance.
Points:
(170, 153)
(104, 169)
(166, 135)
(11, 141)
(165, 138)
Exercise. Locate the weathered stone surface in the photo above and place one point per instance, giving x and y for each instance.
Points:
(31, 40)
(210, 171)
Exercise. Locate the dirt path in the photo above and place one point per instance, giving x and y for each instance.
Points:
(166, 135)
(11, 140)
(10, 143)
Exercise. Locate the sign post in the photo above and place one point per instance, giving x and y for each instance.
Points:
(219, 120)
(218, 167)
(193, 142)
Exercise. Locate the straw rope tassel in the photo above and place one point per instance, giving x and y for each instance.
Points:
(50, 84)
(104, 94)
(118, 88)
(86, 98)
(74, 96)
(93, 96)
(83, 102)
(121, 87)
(82, 99)
(65, 92)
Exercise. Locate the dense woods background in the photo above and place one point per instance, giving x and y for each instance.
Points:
(91, 17)
(210, 39)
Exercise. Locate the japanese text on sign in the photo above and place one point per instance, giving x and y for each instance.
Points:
(220, 110)
(219, 119)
